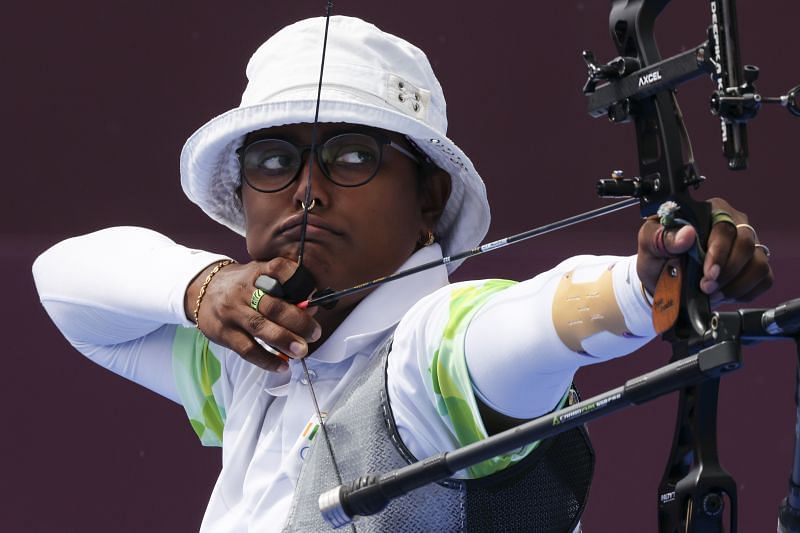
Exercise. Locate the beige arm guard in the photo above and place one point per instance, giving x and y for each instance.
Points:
(581, 310)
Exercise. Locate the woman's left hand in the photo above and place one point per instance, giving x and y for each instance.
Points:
(736, 266)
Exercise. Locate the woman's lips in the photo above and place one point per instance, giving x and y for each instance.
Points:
(313, 232)
(316, 228)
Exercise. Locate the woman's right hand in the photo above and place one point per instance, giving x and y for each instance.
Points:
(226, 317)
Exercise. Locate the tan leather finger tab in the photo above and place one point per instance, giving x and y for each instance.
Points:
(581, 310)
(667, 298)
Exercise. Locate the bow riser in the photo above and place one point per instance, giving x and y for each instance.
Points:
(694, 489)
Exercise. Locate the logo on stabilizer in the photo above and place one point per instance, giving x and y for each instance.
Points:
(647, 79)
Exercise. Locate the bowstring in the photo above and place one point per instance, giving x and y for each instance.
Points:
(303, 226)
(314, 140)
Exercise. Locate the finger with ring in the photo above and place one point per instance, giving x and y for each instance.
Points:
(718, 217)
(255, 298)
(751, 228)
(659, 246)
(764, 248)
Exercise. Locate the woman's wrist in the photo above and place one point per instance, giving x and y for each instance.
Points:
(197, 289)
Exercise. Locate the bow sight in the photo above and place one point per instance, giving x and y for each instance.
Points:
(638, 73)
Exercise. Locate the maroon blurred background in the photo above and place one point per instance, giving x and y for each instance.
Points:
(98, 100)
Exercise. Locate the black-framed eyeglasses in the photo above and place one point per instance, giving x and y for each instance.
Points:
(348, 160)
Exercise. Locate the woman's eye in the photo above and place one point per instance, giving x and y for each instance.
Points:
(354, 156)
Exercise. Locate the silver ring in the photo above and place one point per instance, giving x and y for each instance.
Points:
(310, 206)
(765, 248)
(751, 228)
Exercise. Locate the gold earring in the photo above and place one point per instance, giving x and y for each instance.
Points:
(429, 238)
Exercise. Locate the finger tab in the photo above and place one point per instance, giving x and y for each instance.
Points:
(270, 286)
(667, 298)
(299, 286)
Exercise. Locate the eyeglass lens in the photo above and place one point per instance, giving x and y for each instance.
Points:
(349, 160)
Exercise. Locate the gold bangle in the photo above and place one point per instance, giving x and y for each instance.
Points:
(202, 293)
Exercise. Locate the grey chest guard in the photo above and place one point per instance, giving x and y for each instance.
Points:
(545, 492)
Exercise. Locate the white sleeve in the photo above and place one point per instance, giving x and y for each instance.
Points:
(117, 296)
(495, 340)
(518, 363)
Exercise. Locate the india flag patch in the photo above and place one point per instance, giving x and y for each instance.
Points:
(309, 432)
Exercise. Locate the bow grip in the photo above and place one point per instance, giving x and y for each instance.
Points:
(695, 314)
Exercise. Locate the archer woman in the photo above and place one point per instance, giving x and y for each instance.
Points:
(412, 368)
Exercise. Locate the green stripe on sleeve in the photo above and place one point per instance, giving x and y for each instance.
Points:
(197, 371)
(456, 402)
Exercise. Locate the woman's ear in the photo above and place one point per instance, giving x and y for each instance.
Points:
(435, 194)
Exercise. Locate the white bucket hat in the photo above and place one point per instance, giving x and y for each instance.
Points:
(370, 78)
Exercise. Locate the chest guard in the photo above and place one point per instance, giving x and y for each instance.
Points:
(545, 492)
